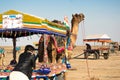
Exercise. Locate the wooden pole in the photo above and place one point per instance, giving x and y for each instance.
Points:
(14, 48)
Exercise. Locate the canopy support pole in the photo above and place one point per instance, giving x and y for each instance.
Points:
(14, 48)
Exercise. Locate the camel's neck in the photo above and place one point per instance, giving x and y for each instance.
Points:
(74, 33)
(75, 28)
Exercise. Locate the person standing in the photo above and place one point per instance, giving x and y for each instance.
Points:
(26, 63)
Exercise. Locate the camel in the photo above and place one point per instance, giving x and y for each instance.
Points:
(76, 19)
(73, 33)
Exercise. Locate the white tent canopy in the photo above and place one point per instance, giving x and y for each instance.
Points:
(98, 38)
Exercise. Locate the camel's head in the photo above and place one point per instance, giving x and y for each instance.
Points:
(77, 18)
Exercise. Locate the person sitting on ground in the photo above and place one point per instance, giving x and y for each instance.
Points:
(26, 64)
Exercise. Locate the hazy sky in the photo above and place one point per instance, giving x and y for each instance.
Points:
(101, 16)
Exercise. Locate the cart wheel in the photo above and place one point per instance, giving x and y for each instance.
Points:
(96, 55)
(105, 55)
(86, 55)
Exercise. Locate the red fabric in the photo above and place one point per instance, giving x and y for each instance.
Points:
(60, 49)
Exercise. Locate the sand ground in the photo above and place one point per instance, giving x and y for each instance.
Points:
(83, 69)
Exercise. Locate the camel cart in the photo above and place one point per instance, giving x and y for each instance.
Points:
(102, 50)
(15, 24)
